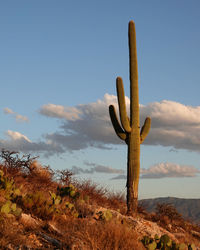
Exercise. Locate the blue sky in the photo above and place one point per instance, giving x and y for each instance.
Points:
(58, 65)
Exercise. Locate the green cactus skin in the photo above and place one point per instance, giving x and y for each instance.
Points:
(105, 215)
(182, 246)
(165, 243)
(10, 208)
(152, 246)
(192, 247)
(130, 129)
(55, 199)
(6, 207)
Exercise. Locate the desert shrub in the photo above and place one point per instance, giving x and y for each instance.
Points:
(13, 163)
(70, 191)
(96, 193)
(40, 177)
(49, 205)
(35, 190)
(26, 171)
(116, 201)
(36, 204)
(142, 210)
(64, 177)
(169, 211)
(83, 209)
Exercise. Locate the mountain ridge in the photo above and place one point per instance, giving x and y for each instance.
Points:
(189, 208)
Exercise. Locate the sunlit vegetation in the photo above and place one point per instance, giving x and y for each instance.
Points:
(45, 209)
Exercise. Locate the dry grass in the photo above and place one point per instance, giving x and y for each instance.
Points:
(10, 232)
(96, 193)
(85, 232)
(101, 196)
(95, 235)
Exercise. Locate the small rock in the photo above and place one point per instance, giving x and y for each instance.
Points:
(29, 222)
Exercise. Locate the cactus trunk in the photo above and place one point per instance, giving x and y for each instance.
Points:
(133, 163)
(133, 170)
(129, 130)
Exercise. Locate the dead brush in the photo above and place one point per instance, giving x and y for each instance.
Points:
(96, 194)
(168, 210)
(10, 233)
(13, 164)
(64, 177)
(43, 173)
(166, 214)
(142, 210)
(116, 201)
(40, 178)
(26, 170)
(100, 196)
(83, 234)
(84, 210)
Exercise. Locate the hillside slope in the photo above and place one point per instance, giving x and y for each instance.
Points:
(45, 209)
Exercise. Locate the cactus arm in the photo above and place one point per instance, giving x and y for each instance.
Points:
(122, 105)
(115, 122)
(145, 129)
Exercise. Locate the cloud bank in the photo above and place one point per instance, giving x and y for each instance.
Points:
(20, 143)
(95, 168)
(88, 125)
(165, 170)
(173, 124)
(18, 117)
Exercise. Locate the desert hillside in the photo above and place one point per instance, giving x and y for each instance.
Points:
(45, 209)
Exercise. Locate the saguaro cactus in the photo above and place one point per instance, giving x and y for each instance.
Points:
(129, 130)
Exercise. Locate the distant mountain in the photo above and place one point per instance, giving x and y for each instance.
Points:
(189, 208)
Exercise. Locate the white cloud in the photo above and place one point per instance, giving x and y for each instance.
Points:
(88, 125)
(58, 111)
(168, 169)
(17, 136)
(18, 117)
(170, 113)
(92, 127)
(20, 143)
(173, 124)
(21, 118)
(165, 170)
(8, 111)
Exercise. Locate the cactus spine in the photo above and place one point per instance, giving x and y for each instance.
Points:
(129, 130)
